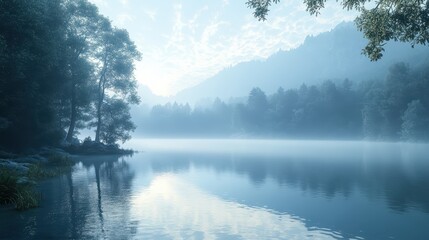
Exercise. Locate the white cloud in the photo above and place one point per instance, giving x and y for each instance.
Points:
(203, 43)
(123, 19)
(99, 3)
(151, 14)
(124, 2)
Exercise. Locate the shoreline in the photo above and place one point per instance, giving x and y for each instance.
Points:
(21, 172)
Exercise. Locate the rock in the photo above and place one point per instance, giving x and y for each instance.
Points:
(34, 159)
(51, 151)
(7, 155)
(25, 181)
(20, 168)
(73, 142)
(89, 147)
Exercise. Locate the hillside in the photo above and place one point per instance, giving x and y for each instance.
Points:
(334, 55)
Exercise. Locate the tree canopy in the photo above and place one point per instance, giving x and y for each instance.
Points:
(396, 108)
(63, 66)
(380, 21)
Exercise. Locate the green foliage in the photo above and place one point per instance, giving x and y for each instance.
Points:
(21, 195)
(261, 7)
(116, 122)
(56, 165)
(395, 108)
(116, 85)
(382, 21)
(31, 33)
(18, 188)
(52, 55)
(415, 122)
(26, 198)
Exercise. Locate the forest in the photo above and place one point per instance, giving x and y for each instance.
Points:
(395, 108)
(63, 67)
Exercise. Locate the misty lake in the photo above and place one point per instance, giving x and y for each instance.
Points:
(236, 189)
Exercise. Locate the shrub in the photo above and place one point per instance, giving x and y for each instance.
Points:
(20, 194)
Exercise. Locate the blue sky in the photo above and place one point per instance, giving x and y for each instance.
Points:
(185, 42)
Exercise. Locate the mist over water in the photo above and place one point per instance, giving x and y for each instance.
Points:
(238, 189)
(326, 149)
(272, 148)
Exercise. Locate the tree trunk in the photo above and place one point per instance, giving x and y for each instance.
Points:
(101, 88)
(73, 116)
(97, 131)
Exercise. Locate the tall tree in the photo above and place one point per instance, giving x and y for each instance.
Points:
(116, 123)
(415, 122)
(115, 71)
(384, 20)
(82, 33)
(31, 40)
(257, 105)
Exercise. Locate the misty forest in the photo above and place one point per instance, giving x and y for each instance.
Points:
(256, 119)
(390, 109)
(64, 67)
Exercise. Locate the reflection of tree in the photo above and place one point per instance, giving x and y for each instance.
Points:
(400, 181)
(73, 214)
(74, 204)
(113, 178)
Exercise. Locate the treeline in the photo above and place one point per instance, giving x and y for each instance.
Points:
(394, 109)
(63, 67)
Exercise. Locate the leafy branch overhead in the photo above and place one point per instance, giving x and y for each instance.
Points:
(379, 21)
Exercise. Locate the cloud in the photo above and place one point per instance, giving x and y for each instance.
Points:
(124, 2)
(203, 43)
(123, 18)
(151, 14)
(99, 3)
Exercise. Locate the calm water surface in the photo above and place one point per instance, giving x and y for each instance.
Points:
(236, 189)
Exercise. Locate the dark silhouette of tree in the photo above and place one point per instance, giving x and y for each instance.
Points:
(54, 54)
(415, 122)
(116, 123)
(115, 71)
(333, 109)
(31, 37)
(82, 33)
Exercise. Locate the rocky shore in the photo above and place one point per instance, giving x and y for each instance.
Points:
(19, 173)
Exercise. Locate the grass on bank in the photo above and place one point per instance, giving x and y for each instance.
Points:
(20, 195)
(19, 189)
(57, 165)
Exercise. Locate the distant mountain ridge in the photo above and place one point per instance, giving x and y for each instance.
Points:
(334, 55)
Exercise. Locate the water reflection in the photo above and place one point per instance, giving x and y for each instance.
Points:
(237, 190)
(372, 190)
(86, 204)
(186, 212)
(396, 172)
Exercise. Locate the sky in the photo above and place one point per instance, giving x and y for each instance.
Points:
(185, 42)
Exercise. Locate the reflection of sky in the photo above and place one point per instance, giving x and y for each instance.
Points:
(374, 190)
(185, 211)
(371, 190)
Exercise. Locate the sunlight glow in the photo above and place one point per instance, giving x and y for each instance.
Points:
(184, 44)
(182, 209)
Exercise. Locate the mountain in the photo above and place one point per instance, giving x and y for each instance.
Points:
(334, 55)
(149, 98)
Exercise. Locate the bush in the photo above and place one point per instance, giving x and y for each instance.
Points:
(17, 190)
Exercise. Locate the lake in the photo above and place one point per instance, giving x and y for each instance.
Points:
(236, 189)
